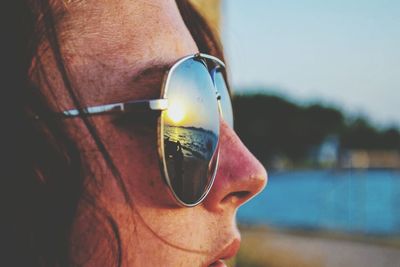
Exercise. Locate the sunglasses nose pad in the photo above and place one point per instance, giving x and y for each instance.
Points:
(224, 99)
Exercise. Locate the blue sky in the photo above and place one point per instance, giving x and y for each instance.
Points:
(342, 53)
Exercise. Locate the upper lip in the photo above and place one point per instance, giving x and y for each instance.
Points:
(229, 251)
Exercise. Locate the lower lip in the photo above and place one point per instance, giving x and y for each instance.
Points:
(219, 263)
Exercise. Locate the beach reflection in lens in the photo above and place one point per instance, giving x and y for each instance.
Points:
(191, 130)
(225, 101)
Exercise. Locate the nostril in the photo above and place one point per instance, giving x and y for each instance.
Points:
(237, 197)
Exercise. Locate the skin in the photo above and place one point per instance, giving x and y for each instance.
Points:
(106, 45)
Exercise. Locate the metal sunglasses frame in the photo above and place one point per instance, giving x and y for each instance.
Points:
(161, 105)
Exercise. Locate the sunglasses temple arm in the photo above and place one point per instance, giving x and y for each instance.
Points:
(133, 106)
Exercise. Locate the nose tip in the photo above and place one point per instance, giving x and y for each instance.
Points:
(245, 189)
(240, 175)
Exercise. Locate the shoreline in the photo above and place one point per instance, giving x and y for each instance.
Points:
(372, 239)
(271, 247)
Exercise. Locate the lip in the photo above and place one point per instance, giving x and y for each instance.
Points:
(218, 263)
(228, 252)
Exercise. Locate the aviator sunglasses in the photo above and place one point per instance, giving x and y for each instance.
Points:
(194, 97)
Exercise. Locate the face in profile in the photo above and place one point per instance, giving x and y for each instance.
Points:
(119, 52)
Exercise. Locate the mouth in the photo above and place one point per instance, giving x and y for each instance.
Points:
(228, 252)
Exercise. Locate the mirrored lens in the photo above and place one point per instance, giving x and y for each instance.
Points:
(225, 101)
(191, 131)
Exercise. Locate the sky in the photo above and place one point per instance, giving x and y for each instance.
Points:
(343, 53)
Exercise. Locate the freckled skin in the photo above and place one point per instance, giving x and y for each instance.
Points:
(104, 44)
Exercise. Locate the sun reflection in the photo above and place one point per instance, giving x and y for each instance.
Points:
(176, 112)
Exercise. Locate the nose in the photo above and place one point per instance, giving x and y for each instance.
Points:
(240, 176)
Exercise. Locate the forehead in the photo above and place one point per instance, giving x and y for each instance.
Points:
(106, 43)
(151, 30)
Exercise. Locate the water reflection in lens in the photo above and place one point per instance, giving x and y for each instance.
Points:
(191, 130)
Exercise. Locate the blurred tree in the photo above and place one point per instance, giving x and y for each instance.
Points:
(391, 139)
(272, 126)
(360, 135)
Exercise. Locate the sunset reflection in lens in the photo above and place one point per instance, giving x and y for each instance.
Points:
(176, 112)
(191, 130)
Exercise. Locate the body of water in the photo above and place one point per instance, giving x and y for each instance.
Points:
(361, 201)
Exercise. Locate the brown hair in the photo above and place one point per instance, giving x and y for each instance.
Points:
(42, 179)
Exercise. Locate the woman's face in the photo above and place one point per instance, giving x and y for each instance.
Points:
(114, 52)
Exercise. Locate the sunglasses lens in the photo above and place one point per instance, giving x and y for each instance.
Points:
(225, 101)
(191, 131)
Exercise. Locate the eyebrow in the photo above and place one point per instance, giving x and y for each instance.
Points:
(146, 82)
(152, 75)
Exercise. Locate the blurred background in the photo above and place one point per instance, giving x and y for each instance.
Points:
(316, 88)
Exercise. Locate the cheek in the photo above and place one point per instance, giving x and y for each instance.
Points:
(157, 218)
(134, 152)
